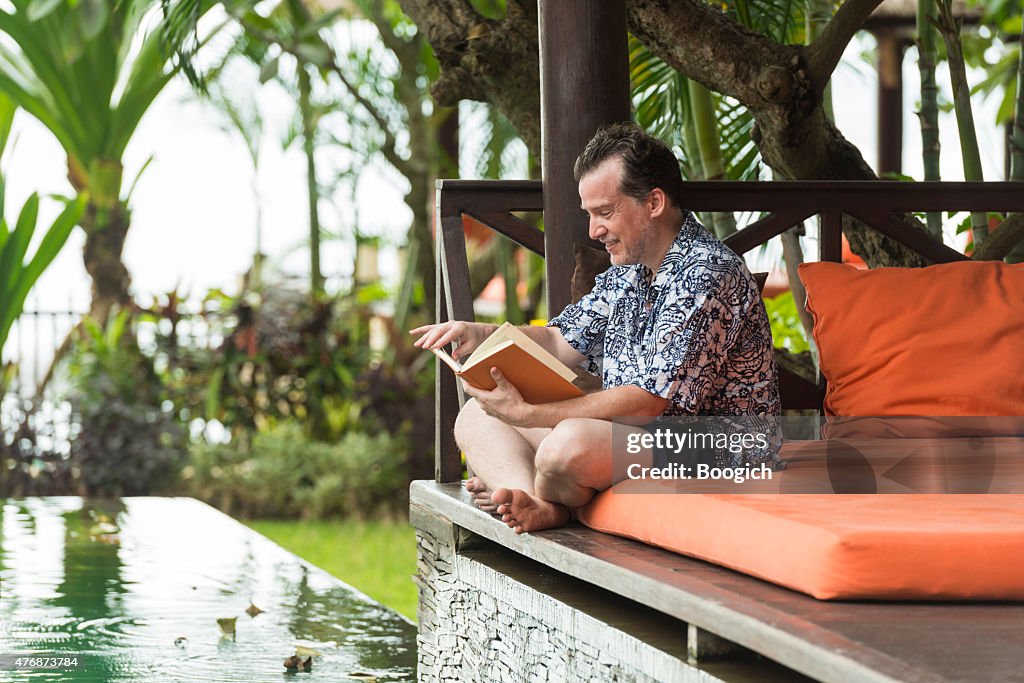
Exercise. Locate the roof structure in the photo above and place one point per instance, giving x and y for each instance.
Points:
(904, 13)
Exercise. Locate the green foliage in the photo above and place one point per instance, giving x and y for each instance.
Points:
(282, 473)
(787, 331)
(283, 358)
(74, 67)
(661, 97)
(124, 441)
(781, 20)
(17, 275)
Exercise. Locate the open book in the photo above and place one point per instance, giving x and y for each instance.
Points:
(537, 374)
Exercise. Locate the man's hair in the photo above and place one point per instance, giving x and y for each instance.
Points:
(647, 162)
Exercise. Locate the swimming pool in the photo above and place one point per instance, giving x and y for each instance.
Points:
(144, 589)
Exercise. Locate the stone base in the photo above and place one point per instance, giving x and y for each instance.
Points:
(487, 614)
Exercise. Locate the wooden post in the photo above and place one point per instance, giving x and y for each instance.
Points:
(584, 77)
(891, 48)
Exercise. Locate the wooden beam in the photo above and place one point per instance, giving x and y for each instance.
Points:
(584, 77)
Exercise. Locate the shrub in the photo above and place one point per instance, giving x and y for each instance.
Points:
(283, 358)
(283, 473)
(123, 440)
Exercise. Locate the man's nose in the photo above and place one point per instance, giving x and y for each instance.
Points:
(596, 228)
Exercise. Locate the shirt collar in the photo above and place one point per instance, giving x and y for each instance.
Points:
(680, 245)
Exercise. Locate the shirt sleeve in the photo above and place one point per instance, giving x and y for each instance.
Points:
(583, 324)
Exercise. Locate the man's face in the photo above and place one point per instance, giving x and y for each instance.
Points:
(622, 224)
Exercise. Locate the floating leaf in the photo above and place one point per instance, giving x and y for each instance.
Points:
(301, 651)
(252, 610)
(227, 625)
(362, 676)
(295, 663)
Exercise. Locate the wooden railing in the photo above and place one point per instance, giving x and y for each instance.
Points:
(787, 204)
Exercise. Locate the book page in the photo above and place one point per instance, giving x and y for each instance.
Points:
(448, 360)
(496, 337)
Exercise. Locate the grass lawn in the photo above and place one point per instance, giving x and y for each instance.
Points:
(377, 557)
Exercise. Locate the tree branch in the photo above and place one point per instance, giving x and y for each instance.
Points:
(706, 45)
(824, 53)
(495, 61)
(388, 149)
(1001, 241)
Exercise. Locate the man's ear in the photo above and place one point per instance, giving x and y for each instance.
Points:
(657, 202)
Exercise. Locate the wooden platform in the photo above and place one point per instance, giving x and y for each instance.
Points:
(827, 641)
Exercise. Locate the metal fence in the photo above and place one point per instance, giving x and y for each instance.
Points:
(32, 344)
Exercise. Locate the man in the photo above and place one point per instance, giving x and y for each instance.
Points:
(675, 327)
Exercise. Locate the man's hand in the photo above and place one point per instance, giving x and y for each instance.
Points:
(467, 335)
(503, 401)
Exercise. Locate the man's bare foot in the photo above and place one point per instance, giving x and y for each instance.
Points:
(481, 495)
(523, 512)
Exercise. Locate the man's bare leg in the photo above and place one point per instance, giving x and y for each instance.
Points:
(573, 463)
(497, 453)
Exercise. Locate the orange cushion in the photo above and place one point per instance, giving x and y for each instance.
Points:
(941, 340)
(889, 547)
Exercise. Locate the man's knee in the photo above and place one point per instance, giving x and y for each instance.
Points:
(564, 450)
(468, 422)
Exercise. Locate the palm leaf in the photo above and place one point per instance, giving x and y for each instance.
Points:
(52, 243)
(17, 243)
(7, 109)
(781, 20)
(661, 98)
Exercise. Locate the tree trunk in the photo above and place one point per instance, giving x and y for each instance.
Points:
(818, 13)
(316, 278)
(929, 115)
(949, 27)
(1016, 255)
(704, 116)
(105, 231)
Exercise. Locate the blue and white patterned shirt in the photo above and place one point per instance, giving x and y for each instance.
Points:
(698, 335)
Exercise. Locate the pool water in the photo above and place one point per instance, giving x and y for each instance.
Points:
(134, 588)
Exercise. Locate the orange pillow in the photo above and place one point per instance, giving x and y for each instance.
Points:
(941, 340)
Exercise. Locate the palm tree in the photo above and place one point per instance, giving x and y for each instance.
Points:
(89, 71)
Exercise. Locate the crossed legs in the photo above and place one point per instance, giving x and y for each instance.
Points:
(533, 477)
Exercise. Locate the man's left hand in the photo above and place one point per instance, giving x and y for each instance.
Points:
(503, 401)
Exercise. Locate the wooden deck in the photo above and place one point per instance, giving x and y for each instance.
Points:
(844, 642)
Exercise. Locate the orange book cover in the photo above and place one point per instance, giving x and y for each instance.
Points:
(538, 375)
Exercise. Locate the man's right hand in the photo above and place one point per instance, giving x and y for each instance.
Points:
(467, 335)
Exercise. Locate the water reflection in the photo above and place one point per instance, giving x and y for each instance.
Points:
(134, 588)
